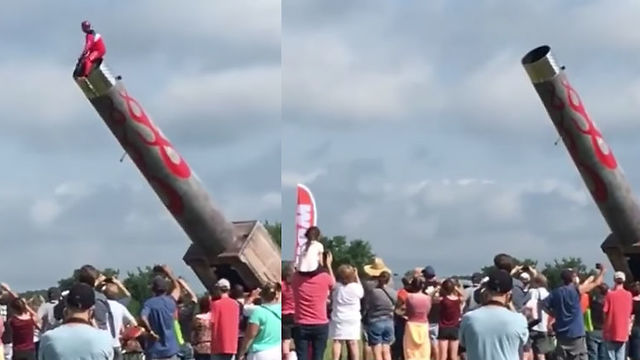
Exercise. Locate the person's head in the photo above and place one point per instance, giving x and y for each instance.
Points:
(476, 278)
(269, 293)
(287, 271)
(429, 273)
(312, 234)
(408, 276)
(159, 285)
(603, 289)
(447, 288)
(88, 275)
(525, 278)
(635, 288)
(619, 277)
(80, 302)
(347, 274)
(86, 26)
(499, 286)
(383, 279)
(223, 286)
(376, 269)
(416, 284)
(237, 292)
(53, 294)
(504, 262)
(539, 281)
(111, 291)
(204, 303)
(18, 305)
(568, 276)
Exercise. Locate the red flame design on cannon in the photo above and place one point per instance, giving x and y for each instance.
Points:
(173, 162)
(598, 187)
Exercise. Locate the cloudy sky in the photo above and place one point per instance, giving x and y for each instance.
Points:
(417, 129)
(208, 73)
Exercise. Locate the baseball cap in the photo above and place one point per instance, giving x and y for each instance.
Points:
(159, 284)
(429, 272)
(223, 284)
(499, 281)
(619, 275)
(81, 296)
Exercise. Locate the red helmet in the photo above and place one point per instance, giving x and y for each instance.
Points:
(86, 26)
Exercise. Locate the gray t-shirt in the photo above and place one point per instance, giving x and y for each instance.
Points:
(493, 332)
(379, 303)
(519, 296)
(101, 311)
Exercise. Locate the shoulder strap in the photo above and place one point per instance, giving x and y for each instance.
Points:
(110, 320)
(389, 296)
(279, 316)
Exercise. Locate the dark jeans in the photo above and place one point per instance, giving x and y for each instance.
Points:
(571, 349)
(397, 348)
(202, 356)
(315, 336)
(596, 347)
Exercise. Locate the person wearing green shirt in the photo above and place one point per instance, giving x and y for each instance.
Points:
(264, 329)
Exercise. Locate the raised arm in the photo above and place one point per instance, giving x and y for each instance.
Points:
(592, 283)
(123, 289)
(330, 264)
(175, 293)
(186, 288)
(5, 287)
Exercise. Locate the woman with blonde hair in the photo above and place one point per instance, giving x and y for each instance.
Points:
(416, 342)
(345, 315)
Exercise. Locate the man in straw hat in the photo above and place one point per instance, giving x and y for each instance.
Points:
(380, 301)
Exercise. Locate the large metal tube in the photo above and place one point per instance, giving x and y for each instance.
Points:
(592, 156)
(166, 171)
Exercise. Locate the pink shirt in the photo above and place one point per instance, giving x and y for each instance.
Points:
(618, 308)
(310, 297)
(418, 307)
(288, 304)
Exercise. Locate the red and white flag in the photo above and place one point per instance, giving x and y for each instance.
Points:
(306, 217)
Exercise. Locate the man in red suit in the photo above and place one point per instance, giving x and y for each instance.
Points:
(94, 48)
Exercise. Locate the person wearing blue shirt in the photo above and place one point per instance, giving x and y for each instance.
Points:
(563, 303)
(158, 316)
(494, 331)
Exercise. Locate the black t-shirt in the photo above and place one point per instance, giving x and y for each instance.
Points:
(636, 313)
(597, 311)
(186, 313)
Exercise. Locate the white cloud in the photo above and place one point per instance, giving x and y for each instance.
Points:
(38, 92)
(326, 76)
(217, 96)
(72, 189)
(45, 211)
(292, 178)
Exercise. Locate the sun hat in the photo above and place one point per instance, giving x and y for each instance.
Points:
(376, 268)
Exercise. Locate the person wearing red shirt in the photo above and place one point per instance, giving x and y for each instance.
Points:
(288, 309)
(94, 48)
(225, 318)
(618, 308)
(311, 294)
